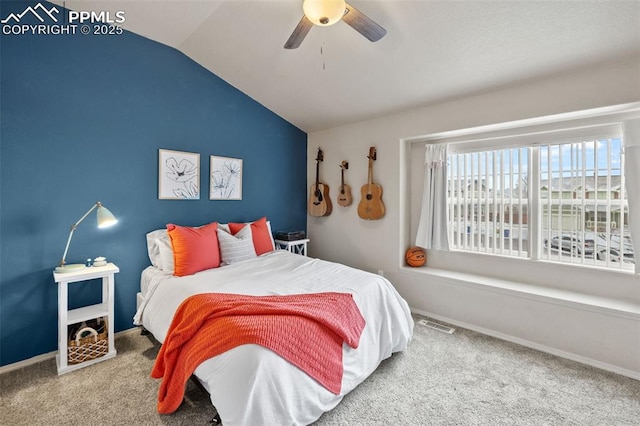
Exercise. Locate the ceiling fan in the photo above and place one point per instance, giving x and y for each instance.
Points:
(328, 12)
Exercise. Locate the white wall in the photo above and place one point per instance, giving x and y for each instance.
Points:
(601, 337)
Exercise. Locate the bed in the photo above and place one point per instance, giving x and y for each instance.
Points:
(251, 385)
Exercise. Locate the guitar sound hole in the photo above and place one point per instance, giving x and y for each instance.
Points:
(369, 196)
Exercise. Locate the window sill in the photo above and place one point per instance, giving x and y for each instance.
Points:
(610, 306)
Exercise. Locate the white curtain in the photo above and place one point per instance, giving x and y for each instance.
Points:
(632, 176)
(432, 229)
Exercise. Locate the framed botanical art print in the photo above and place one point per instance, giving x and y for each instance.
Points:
(178, 175)
(225, 182)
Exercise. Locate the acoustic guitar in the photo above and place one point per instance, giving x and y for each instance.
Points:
(344, 195)
(319, 202)
(371, 206)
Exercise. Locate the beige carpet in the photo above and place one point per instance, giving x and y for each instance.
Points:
(460, 379)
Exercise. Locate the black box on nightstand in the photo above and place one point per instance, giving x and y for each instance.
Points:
(290, 235)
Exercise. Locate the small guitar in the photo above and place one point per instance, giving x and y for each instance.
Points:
(344, 196)
(371, 206)
(319, 202)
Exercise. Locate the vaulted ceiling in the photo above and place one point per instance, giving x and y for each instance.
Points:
(433, 50)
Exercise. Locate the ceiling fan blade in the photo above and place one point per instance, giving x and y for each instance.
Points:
(299, 33)
(363, 24)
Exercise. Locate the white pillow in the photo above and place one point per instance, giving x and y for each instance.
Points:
(225, 226)
(236, 248)
(160, 250)
(166, 254)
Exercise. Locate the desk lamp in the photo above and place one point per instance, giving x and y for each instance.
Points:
(105, 220)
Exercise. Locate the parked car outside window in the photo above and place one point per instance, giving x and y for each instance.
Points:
(616, 243)
(614, 255)
(572, 244)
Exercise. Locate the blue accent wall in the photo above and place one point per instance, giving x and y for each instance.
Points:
(82, 118)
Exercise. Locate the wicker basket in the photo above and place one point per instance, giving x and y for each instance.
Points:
(94, 346)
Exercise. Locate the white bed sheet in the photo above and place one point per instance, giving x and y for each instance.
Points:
(251, 385)
(149, 280)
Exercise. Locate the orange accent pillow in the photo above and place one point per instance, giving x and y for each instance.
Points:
(259, 232)
(194, 249)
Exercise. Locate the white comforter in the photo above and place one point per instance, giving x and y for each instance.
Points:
(251, 385)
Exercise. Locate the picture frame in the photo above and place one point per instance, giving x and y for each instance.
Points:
(225, 181)
(178, 175)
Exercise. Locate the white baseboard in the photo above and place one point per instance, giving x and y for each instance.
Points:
(542, 348)
(50, 355)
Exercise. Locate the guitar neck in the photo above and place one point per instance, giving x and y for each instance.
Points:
(319, 158)
(372, 157)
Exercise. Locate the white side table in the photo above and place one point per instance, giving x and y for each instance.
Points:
(295, 246)
(67, 317)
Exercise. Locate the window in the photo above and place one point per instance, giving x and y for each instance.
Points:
(554, 195)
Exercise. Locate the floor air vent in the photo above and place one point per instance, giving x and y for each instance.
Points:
(436, 326)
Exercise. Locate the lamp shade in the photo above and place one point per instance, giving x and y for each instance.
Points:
(324, 12)
(105, 217)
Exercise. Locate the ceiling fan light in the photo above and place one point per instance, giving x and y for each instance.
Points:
(324, 12)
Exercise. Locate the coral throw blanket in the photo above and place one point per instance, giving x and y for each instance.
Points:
(305, 329)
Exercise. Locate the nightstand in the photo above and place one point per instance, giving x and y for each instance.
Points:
(68, 317)
(295, 246)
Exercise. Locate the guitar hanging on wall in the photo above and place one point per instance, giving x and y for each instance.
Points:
(371, 206)
(319, 202)
(344, 194)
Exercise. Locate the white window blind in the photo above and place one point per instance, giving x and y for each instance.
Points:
(488, 201)
(584, 209)
(558, 196)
